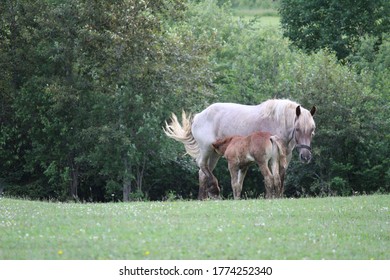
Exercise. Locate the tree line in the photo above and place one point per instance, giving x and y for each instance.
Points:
(86, 86)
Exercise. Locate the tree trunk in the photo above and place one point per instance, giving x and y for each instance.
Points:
(126, 190)
(126, 180)
(140, 175)
(74, 183)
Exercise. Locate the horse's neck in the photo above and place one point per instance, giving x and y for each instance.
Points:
(279, 127)
(283, 127)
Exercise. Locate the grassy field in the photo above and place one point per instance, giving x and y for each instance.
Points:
(263, 17)
(312, 228)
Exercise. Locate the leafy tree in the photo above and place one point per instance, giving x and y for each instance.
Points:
(18, 62)
(88, 104)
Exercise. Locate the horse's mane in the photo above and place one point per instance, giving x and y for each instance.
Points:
(283, 111)
(277, 108)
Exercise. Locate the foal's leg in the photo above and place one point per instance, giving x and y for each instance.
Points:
(268, 179)
(241, 177)
(237, 176)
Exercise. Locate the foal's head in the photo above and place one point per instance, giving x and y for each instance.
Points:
(304, 127)
(221, 145)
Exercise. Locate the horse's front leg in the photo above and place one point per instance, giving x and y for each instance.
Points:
(282, 165)
(284, 161)
(277, 187)
(282, 174)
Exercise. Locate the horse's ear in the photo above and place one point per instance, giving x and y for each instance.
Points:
(298, 111)
(313, 110)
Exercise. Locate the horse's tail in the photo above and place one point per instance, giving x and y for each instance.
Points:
(182, 133)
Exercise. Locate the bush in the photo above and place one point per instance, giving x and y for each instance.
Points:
(351, 123)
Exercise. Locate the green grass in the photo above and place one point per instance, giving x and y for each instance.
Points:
(310, 228)
(255, 12)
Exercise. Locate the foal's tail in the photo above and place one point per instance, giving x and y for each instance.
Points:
(182, 133)
(281, 150)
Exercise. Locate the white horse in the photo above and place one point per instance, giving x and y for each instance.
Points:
(292, 123)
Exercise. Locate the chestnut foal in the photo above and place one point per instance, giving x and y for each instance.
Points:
(267, 150)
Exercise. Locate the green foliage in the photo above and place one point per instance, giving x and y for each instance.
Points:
(337, 25)
(85, 88)
(351, 121)
(89, 104)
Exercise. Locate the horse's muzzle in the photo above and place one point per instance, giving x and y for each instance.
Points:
(304, 153)
(305, 157)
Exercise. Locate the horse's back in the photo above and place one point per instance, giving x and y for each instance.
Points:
(224, 110)
(223, 119)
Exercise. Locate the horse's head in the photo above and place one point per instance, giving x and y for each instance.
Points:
(304, 127)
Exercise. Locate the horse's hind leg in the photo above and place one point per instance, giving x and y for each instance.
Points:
(203, 183)
(214, 191)
(205, 175)
(208, 183)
